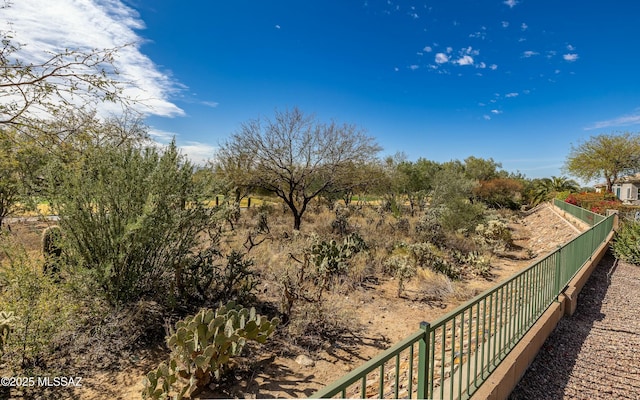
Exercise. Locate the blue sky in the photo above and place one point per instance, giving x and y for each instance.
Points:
(517, 81)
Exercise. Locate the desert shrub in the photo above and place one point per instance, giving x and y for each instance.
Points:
(340, 224)
(595, 202)
(202, 347)
(429, 228)
(476, 262)
(427, 255)
(402, 225)
(321, 263)
(626, 245)
(37, 308)
(402, 268)
(433, 286)
(500, 192)
(495, 234)
(132, 217)
(208, 276)
(462, 215)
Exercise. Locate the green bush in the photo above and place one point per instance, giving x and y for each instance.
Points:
(202, 347)
(34, 309)
(131, 216)
(626, 245)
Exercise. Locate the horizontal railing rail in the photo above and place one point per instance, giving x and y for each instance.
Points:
(456, 353)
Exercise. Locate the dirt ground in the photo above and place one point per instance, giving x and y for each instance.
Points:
(382, 317)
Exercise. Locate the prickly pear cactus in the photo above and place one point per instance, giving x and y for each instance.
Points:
(202, 346)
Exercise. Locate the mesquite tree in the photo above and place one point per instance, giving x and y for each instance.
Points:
(296, 157)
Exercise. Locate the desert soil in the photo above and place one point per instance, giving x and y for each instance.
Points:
(383, 319)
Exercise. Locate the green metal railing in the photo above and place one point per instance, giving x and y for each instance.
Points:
(451, 357)
(578, 212)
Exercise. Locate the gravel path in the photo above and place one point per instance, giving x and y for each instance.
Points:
(595, 354)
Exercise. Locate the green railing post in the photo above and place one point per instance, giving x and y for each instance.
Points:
(423, 361)
(556, 285)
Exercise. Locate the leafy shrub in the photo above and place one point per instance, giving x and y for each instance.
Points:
(626, 245)
(132, 217)
(595, 202)
(202, 347)
(500, 193)
(35, 307)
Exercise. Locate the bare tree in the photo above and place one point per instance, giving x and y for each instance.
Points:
(32, 93)
(296, 157)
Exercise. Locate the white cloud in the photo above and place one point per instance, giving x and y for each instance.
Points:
(464, 60)
(428, 49)
(486, 117)
(493, 67)
(212, 104)
(199, 153)
(278, 27)
(571, 57)
(570, 47)
(161, 137)
(510, 3)
(441, 58)
(48, 27)
(396, 69)
(624, 120)
(529, 53)
(413, 67)
(449, 49)
(512, 94)
(524, 26)
(496, 112)
(505, 24)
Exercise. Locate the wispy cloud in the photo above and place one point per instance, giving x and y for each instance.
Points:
(511, 3)
(212, 104)
(524, 26)
(529, 53)
(51, 27)
(624, 120)
(512, 94)
(571, 57)
(413, 67)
